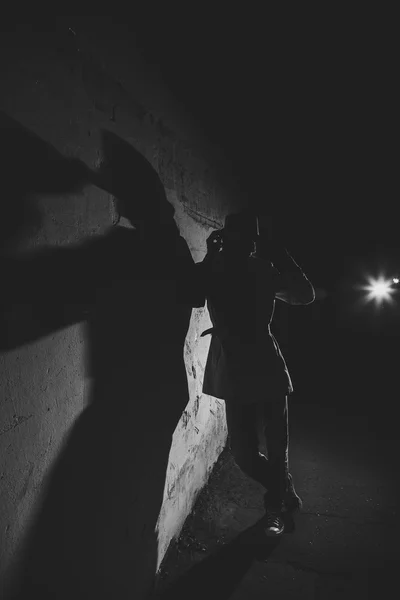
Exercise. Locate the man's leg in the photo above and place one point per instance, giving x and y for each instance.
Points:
(242, 421)
(275, 416)
(276, 431)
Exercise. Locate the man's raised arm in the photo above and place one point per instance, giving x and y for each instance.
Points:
(289, 281)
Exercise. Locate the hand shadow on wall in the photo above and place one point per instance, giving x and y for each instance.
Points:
(30, 167)
(93, 535)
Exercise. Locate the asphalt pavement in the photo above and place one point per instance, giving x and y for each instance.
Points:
(343, 544)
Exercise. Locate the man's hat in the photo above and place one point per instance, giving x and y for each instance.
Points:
(244, 224)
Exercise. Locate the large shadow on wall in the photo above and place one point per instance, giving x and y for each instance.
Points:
(94, 533)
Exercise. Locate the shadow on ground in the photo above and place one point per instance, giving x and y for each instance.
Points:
(217, 548)
(345, 540)
(219, 574)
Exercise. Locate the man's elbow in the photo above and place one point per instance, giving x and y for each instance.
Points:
(307, 295)
(303, 294)
(299, 290)
(310, 298)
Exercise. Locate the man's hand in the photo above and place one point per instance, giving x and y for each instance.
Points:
(271, 230)
(214, 244)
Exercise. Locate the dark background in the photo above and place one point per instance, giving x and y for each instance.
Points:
(305, 110)
(307, 118)
(304, 107)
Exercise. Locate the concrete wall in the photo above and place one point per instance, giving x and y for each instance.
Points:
(91, 490)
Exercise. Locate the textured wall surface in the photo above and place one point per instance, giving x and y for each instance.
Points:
(201, 432)
(91, 489)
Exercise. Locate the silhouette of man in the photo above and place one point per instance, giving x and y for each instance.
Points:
(245, 366)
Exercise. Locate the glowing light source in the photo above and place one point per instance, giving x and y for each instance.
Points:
(380, 289)
(396, 280)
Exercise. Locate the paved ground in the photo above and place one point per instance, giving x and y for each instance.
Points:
(343, 543)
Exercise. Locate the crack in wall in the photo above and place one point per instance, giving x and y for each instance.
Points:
(17, 420)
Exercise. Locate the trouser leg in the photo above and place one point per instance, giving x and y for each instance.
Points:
(275, 417)
(243, 440)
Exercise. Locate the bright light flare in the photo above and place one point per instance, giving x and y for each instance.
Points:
(379, 290)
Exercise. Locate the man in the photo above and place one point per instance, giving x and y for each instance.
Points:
(245, 366)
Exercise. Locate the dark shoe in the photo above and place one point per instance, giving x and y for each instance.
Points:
(275, 525)
(292, 502)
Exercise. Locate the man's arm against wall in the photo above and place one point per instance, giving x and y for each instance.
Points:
(201, 274)
(202, 269)
(191, 288)
(42, 293)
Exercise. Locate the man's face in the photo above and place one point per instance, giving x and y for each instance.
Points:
(237, 246)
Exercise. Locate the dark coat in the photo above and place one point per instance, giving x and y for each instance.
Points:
(244, 360)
